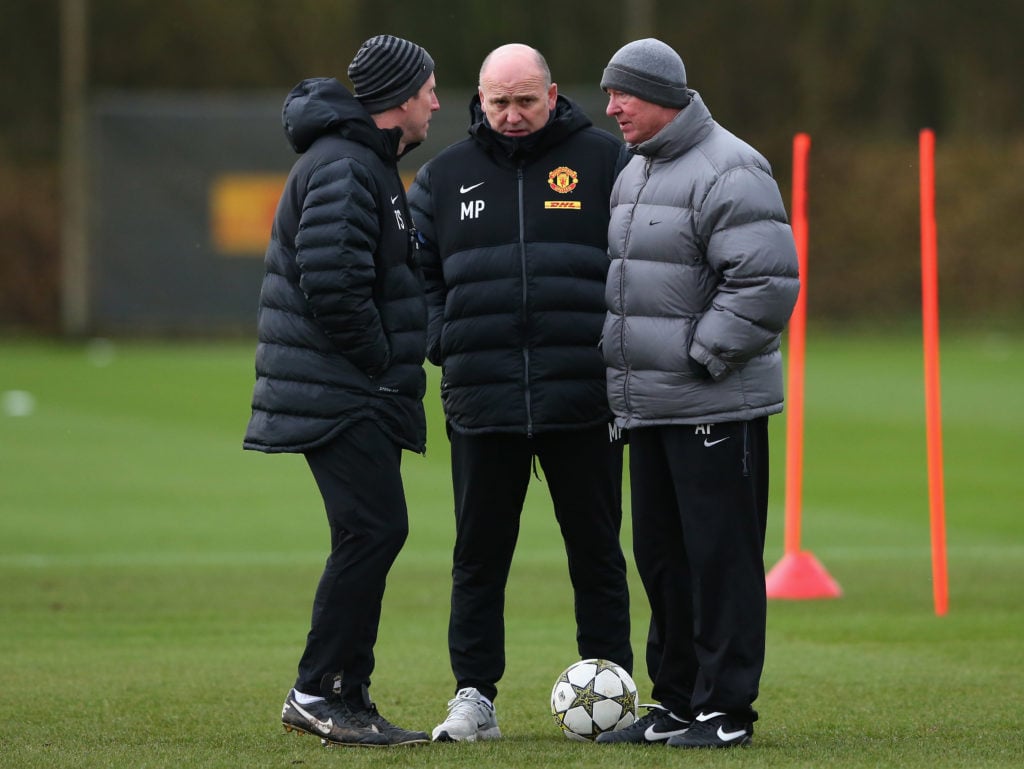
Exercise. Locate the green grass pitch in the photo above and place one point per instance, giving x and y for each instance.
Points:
(155, 580)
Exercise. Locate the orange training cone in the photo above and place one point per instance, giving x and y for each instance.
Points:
(800, 575)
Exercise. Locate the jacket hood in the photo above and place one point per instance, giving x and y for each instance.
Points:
(565, 119)
(322, 105)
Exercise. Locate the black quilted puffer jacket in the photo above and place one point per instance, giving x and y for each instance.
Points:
(342, 315)
(514, 239)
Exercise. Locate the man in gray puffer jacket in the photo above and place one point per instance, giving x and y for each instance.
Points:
(702, 281)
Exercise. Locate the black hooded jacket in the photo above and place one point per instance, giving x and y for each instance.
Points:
(513, 238)
(342, 315)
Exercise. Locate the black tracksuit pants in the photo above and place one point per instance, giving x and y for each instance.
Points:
(490, 475)
(359, 476)
(700, 502)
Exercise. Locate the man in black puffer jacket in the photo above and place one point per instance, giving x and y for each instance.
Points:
(339, 364)
(514, 228)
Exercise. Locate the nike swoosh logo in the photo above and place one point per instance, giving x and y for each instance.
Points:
(655, 221)
(708, 444)
(463, 189)
(725, 736)
(324, 726)
(653, 735)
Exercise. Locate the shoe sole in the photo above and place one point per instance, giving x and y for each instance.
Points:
(744, 743)
(487, 734)
(324, 741)
(404, 743)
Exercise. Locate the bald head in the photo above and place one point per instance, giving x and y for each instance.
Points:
(519, 58)
(515, 89)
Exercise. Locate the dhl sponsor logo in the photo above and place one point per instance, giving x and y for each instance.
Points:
(575, 205)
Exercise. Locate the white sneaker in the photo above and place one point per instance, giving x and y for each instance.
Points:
(470, 718)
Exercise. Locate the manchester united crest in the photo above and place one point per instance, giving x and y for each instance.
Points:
(563, 179)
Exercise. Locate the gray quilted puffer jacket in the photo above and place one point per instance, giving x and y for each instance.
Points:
(702, 281)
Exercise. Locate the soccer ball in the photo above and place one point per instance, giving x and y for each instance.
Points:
(593, 696)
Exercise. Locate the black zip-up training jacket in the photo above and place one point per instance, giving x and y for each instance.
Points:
(514, 248)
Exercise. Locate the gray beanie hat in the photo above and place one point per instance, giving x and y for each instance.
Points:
(387, 71)
(649, 69)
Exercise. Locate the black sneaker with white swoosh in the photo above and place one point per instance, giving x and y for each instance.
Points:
(656, 727)
(714, 730)
(395, 735)
(331, 721)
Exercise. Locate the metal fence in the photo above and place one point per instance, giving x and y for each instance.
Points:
(183, 190)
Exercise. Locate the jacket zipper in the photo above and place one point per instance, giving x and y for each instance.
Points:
(622, 287)
(525, 314)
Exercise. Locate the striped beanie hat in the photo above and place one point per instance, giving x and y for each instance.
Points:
(387, 71)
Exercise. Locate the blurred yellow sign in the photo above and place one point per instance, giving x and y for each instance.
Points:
(242, 210)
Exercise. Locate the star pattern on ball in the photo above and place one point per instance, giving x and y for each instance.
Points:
(626, 701)
(585, 697)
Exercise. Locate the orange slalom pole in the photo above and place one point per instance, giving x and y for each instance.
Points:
(932, 396)
(799, 574)
(796, 347)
